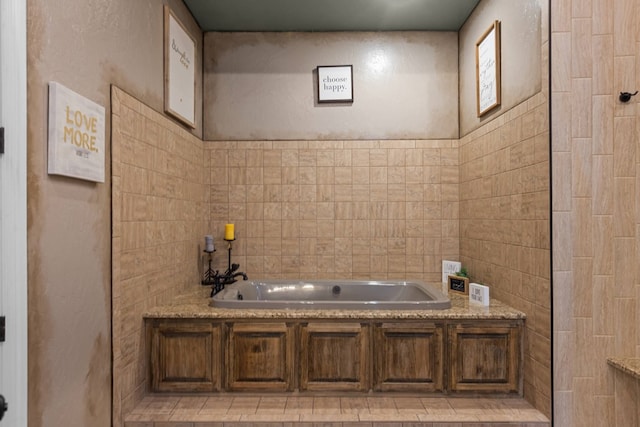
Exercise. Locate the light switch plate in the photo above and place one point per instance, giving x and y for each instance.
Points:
(449, 267)
(478, 294)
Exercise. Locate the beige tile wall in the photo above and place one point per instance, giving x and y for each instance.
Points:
(336, 209)
(596, 211)
(505, 229)
(505, 237)
(160, 206)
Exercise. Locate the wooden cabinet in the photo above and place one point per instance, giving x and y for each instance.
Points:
(185, 356)
(260, 357)
(439, 356)
(485, 357)
(334, 356)
(408, 357)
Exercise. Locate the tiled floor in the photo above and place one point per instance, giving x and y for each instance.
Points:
(361, 411)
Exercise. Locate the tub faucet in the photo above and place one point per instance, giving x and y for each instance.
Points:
(218, 281)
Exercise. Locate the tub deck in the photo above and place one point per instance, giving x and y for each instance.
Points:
(195, 305)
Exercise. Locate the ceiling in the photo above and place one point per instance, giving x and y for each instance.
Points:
(330, 15)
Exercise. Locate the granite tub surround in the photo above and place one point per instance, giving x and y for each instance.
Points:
(193, 347)
(195, 304)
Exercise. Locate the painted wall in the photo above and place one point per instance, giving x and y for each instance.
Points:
(263, 86)
(521, 24)
(595, 52)
(86, 46)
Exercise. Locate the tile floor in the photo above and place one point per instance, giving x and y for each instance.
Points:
(362, 411)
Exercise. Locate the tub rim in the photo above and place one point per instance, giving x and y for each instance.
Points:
(440, 301)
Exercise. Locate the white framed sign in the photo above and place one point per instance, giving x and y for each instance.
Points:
(76, 135)
(488, 69)
(335, 83)
(179, 70)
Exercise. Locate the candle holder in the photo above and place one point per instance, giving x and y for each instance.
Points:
(210, 274)
(229, 249)
(218, 281)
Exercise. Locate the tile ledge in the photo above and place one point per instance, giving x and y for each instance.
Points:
(628, 365)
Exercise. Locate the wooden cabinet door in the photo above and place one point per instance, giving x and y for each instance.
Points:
(185, 357)
(408, 357)
(485, 357)
(334, 356)
(260, 357)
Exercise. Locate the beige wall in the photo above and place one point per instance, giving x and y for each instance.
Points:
(521, 26)
(85, 46)
(504, 199)
(595, 51)
(263, 86)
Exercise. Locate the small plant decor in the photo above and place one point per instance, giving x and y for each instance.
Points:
(462, 272)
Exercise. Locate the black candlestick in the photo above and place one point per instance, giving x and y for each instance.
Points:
(209, 275)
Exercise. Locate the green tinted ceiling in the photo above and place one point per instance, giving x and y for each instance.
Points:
(330, 15)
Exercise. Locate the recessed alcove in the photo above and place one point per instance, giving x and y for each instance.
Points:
(344, 204)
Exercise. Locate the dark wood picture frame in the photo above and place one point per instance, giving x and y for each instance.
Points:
(458, 284)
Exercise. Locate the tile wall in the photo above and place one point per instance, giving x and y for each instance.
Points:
(160, 207)
(595, 55)
(336, 209)
(505, 228)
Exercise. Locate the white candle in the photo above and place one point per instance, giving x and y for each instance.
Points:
(208, 243)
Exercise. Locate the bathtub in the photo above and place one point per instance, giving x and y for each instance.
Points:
(332, 294)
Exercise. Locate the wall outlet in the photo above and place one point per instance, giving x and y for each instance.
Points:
(478, 294)
(449, 267)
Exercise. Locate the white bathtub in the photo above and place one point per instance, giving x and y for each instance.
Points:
(332, 294)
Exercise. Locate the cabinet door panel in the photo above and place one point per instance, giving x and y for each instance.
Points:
(260, 357)
(183, 357)
(334, 356)
(485, 358)
(408, 357)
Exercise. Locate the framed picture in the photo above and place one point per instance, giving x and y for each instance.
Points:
(335, 83)
(458, 284)
(76, 135)
(179, 70)
(488, 69)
